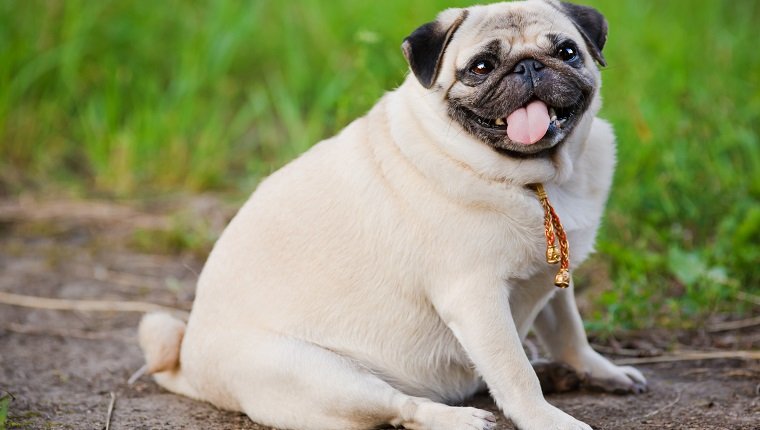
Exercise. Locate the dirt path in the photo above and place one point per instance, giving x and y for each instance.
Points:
(61, 366)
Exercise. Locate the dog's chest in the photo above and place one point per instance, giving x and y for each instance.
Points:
(509, 234)
(506, 236)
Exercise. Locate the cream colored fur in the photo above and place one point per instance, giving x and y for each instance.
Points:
(394, 268)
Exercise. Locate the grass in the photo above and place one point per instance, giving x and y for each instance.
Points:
(5, 400)
(123, 98)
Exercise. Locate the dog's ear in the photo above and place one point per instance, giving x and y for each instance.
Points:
(592, 26)
(424, 48)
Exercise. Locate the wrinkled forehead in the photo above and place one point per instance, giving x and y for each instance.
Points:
(516, 28)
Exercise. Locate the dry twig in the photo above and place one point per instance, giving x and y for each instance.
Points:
(138, 374)
(47, 331)
(83, 305)
(734, 325)
(741, 295)
(110, 410)
(691, 356)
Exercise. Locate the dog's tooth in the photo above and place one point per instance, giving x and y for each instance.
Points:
(553, 118)
(499, 121)
(552, 112)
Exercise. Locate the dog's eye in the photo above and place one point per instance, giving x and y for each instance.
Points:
(482, 67)
(567, 53)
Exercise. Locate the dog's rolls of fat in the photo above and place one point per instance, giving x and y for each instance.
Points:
(394, 268)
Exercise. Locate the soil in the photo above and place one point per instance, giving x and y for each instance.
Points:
(61, 366)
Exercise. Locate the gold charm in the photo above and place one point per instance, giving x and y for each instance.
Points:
(552, 254)
(562, 279)
(555, 235)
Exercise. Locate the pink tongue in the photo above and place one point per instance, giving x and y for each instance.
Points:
(528, 124)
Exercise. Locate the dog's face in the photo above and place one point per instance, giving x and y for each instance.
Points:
(518, 76)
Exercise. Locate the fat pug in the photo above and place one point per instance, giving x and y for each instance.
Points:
(392, 271)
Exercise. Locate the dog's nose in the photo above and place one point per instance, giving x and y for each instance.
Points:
(529, 71)
(527, 66)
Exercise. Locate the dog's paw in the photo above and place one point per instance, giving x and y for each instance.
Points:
(549, 418)
(473, 418)
(619, 380)
(601, 374)
(441, 417)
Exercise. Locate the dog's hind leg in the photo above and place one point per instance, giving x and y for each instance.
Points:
(560, 329)
(288, 383)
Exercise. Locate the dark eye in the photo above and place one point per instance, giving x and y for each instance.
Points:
(567, 53)
(482, 67)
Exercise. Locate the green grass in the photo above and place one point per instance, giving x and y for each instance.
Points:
(5, 400)
(130, 98)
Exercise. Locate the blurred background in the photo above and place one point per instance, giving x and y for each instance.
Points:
(132, 100)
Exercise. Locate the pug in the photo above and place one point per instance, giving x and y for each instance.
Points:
(392, 271)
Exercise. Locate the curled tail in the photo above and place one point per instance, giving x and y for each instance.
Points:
(160, 336)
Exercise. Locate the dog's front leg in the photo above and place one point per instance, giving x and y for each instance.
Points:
(560, 328)
(478, 313)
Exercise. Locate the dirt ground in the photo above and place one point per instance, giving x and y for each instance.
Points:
(61, 366)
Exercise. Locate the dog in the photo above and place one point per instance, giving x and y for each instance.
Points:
(393, 270)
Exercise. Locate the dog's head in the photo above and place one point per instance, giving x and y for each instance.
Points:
(519, 76)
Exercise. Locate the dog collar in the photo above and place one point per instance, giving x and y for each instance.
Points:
(554, 233)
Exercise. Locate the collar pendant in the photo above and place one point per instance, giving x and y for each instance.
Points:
(557, 249)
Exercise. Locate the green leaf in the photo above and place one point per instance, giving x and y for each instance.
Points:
(687, 267)
(5, 400)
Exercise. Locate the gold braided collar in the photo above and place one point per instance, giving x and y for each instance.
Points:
(554, 233)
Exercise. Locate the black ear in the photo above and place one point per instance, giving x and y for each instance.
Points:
(592, 26)
(424, 48)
